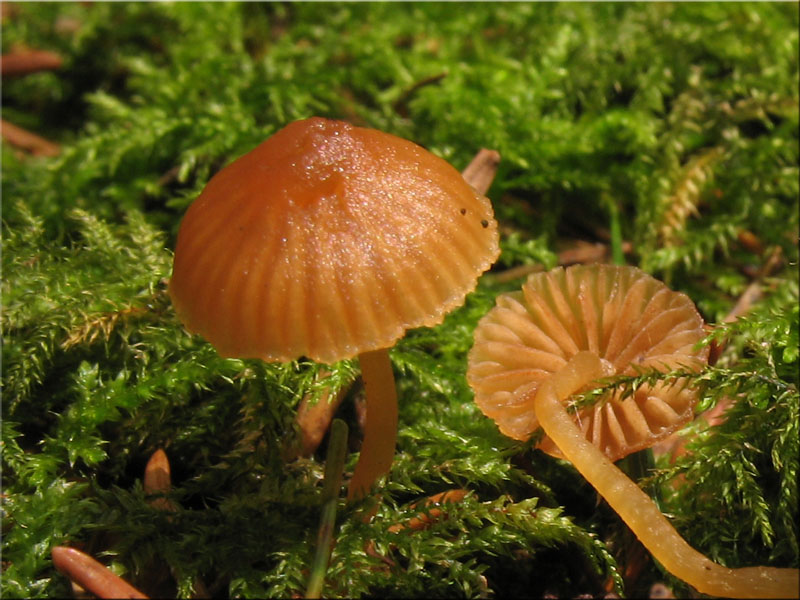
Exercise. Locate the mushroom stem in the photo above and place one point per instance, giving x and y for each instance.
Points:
(636, 508)
(380, 431)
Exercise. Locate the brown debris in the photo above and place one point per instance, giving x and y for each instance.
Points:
(753, 293)
(314, 418)
(517, 272)
(7, 11)
(100, 326)
(22, 62)
(92, 575)
(27, 141)
(17, 63)
(157, 480)
(424, 519)
(659, 590)
(750, 241)
(401, 104)
(578, 252)
(583, 253)
(480, 172)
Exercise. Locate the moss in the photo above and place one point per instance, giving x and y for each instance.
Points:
(681, 119)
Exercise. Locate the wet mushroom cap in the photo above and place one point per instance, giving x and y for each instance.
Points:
(626, 317)
(326, 241)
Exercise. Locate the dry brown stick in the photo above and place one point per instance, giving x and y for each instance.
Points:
(92, 575)
(401, 104)
(25, 140)
(432, 513)
(517, 272)
(158, 480)
(480, 172)
(22, 62)
(7, 11)
(423, 520)
(314, 418)
(750, 241)
(751, 295)
(753, 292)
(581, 253)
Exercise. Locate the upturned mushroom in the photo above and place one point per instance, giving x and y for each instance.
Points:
(569, 327)
(329, 241)
(625, 317)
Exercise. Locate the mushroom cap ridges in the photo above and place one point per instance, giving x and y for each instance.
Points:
(626, 317)
(326, 241)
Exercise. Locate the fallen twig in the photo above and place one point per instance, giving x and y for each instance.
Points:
(22, 62)
(481, 170)
(314, 418)
(581, 253)
(92, 575)
(422, 521)
(425, 519)
(25, 140)
(401, 104)
(751, 295)
(157, 480)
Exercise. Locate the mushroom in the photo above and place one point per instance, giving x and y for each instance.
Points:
(570, 327)
(622, 315)
(329, 241)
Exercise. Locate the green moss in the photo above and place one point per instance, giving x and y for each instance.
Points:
(682, 118)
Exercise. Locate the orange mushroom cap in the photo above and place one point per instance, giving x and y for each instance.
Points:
(327, 241)
(619, 313)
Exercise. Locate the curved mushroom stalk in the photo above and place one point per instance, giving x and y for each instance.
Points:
(635, 507)
(380, 431)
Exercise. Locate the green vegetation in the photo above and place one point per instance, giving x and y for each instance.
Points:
(675, 123)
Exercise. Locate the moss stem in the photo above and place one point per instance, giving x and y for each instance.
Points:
(334, 465)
